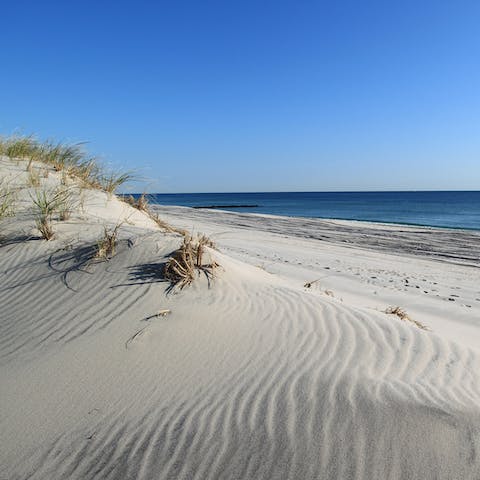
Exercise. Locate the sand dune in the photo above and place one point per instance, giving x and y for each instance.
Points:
(251, 377)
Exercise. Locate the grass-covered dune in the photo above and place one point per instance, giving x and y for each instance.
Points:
(70, 159)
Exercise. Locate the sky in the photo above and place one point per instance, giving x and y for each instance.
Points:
(225, 96)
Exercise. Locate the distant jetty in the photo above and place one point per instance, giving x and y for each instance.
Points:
(225, 206)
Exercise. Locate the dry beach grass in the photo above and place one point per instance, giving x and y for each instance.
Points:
(188, 261)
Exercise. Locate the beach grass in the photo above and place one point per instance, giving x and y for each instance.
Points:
(187, 261)
(19, 147)
(46, 203)
(111, 181)
(140, 203)
(106, 246)
(69, 158)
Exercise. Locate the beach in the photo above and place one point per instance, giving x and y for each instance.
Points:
(431, 272)
(281, 364)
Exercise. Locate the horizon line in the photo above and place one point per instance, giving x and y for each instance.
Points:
(299, 191)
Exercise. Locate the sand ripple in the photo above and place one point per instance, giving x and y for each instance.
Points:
(258, 380)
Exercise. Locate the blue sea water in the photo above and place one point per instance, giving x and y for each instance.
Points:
(452, 209)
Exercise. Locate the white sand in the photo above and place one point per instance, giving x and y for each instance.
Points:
(254, 377)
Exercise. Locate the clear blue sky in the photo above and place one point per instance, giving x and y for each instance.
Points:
(253, 95)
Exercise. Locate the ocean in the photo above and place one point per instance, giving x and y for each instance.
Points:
(451, 209)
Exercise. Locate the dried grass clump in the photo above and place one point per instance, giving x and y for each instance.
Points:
(44, 226)
(184, 265)
(140, 203)
(207, 242)
(403, 315)
(106, 246)
(46, 203)
(130, 199)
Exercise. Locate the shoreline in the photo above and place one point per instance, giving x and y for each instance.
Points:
(374, 222)
(222, 208)
(437, 209)
(415, 240)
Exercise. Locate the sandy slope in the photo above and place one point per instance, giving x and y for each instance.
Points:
(254, 377)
